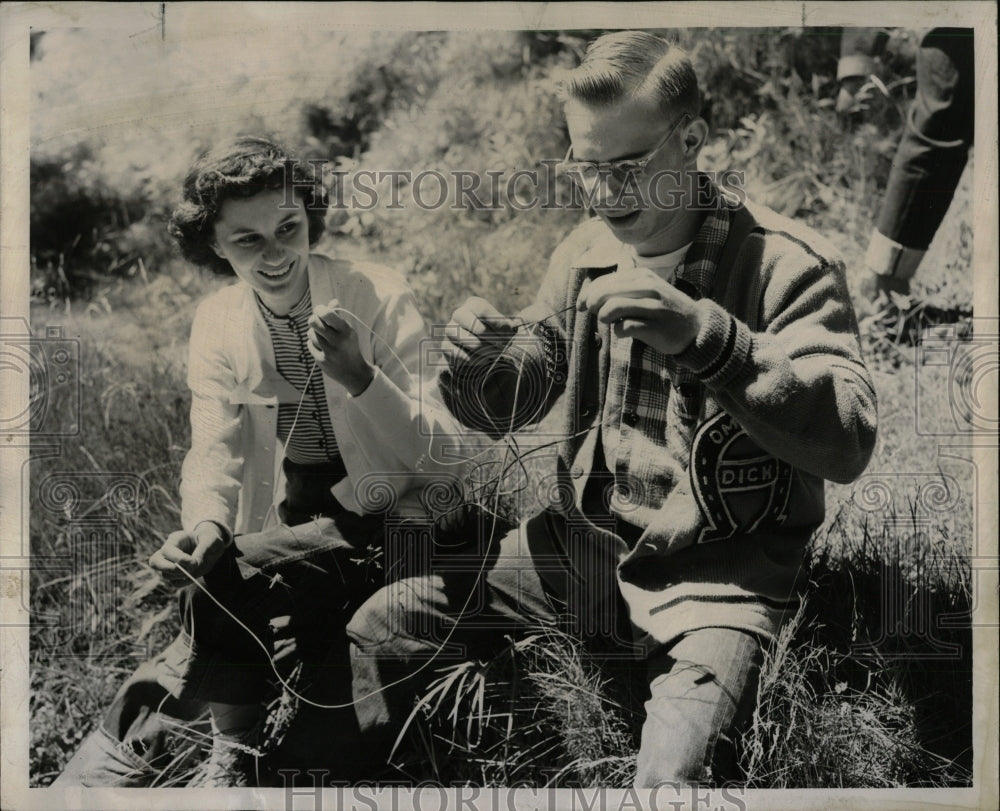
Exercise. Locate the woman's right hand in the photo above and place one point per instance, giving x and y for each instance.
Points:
(334, 345)
(475, 324)
(195, 552)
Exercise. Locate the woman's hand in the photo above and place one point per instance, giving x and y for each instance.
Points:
(641, 305)
(333, 342)
(195, 552)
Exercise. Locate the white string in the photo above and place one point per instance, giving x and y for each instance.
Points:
(508, 447)
(430, 441)
(509, 439)
(284, 683)
(406, 370)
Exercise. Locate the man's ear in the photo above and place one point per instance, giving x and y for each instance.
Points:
(695, 136)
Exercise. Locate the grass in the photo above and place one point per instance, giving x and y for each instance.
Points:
(870, 686)
(104, 609)
(853, 694)
(849, 695)
(540, 712)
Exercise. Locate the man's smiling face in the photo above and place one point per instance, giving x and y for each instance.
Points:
(642, 211)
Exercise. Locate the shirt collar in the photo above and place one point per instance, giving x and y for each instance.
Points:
(299, 313)
(702, 259)
(697, 274)
(666, 265)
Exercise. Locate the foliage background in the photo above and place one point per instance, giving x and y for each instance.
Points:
(864, 698)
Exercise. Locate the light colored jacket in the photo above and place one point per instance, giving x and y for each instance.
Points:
(392, 441)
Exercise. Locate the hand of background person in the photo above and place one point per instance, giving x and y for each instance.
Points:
(475, 325)
(847, 94)
(639, 304)
(333, 343)
(196, 552)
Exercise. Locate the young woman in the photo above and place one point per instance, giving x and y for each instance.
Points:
(306, 406)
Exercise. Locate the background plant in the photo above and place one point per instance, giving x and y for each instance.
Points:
(857, 702)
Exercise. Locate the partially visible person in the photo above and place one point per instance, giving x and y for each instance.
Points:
(862, 52)
(304, 388)
(930, 157)
(701, 363)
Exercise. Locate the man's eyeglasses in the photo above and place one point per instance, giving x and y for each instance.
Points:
(620, 170)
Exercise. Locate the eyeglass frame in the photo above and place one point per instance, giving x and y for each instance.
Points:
(612, 168)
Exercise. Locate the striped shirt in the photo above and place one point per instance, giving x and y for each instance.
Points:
(312, 441)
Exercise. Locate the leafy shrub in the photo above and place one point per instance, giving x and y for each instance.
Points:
(84, 232)
(831, 713)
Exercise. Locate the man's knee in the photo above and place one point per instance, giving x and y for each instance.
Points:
(368, 627)
(703, 691)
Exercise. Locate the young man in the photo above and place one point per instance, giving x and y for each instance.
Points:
(704, 364)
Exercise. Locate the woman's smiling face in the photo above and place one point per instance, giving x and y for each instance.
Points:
(267, 245)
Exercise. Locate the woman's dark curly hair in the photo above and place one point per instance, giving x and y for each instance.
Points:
(240, 168)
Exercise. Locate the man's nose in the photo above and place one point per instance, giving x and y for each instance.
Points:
(607, 190)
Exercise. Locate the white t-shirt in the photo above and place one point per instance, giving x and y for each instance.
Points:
(664, 265)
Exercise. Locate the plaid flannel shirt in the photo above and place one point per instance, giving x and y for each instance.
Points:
(638, 448)
(733, 436)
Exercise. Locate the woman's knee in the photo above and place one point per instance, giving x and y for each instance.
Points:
(272, 547)
(398, 617)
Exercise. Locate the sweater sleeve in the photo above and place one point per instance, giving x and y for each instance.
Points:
(399, 423)
(799, 387)
(213, 467)
(399, 412)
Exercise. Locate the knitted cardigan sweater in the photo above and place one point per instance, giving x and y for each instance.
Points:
(770, 399)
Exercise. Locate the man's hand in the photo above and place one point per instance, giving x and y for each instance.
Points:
(641, 305)
(333, 343)
(195, 552)
(477, 324)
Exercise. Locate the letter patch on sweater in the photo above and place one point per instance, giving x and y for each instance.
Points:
(739, 486)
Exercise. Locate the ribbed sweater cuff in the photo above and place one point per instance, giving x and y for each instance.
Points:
(857, 65)
(720, 349)
(886, 257)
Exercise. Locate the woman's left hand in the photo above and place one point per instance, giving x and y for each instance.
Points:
(333, 342)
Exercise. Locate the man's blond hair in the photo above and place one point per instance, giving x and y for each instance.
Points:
(632, 64)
